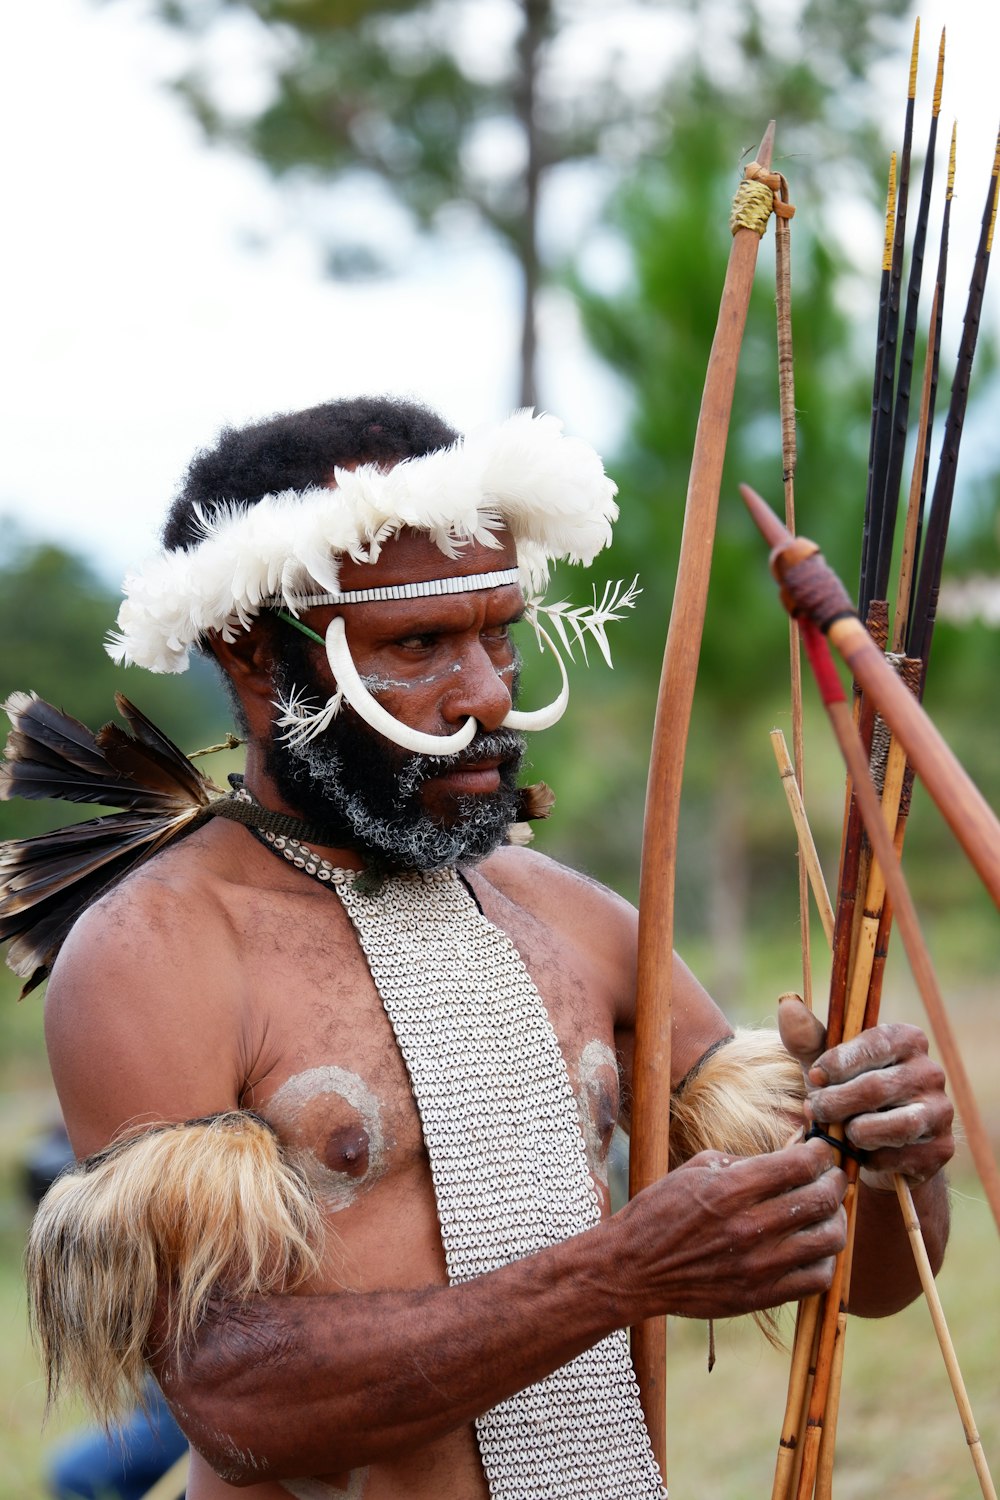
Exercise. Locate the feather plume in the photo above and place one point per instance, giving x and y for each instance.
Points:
(47, 881)
(302, 719)
(588, 619)
(550, 490)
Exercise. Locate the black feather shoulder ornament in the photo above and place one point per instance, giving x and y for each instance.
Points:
(47, 882)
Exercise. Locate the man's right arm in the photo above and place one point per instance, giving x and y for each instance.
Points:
(303, 1384)
(294, 1384)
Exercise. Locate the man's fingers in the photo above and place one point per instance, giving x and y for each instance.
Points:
(756, 1231)
(895, 1086)
(795, 1165)
(802, 1033)
(880, 1047)
(895, 1128)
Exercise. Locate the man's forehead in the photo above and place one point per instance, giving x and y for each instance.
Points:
(413, 557)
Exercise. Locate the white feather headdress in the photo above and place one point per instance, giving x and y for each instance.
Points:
(549, 491)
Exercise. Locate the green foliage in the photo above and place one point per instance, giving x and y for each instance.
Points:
(655, 329)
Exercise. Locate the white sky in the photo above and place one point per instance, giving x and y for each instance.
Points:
(136, 320)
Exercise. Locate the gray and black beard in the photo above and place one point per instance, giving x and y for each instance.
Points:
(367, 791)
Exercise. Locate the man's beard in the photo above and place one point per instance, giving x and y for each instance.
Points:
(366, 791)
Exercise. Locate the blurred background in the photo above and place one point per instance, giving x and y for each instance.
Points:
(219, 209)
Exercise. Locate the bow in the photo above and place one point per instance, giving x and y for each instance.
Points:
(649, 1158)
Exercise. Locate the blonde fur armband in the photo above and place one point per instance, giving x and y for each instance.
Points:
(744, 1098)
(211, 1207)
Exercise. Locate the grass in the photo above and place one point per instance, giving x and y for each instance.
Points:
(22, 1392)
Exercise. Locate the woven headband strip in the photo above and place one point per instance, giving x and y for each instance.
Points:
(466, 584)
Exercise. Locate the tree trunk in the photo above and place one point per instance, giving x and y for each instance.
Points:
(537, 19)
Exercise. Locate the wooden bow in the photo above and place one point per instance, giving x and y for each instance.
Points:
(650, 1150)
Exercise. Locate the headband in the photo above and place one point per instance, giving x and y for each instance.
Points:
(549, 491)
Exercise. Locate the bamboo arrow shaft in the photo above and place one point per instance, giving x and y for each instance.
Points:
(943, 1334)
(650, 1152)
(807, 847)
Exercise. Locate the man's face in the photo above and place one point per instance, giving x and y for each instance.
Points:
(432, 663)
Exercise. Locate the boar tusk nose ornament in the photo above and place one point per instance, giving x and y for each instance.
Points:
(543, 718)
(302, 722)
(366, 707)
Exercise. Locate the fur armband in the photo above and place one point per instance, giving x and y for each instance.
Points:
(211, 1207)
(744, 1097)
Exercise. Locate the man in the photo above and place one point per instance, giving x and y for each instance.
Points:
(420, 1291)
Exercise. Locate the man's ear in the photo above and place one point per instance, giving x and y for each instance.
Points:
(247, 660)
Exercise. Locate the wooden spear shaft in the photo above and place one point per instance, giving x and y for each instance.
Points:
(801, 1350)
(913, 508)
(901, 410)
(811, 591)
(650, 1151)
(908, 566)
(821, 595)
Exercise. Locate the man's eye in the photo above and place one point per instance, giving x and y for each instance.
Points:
(417, 642)
(497, 633)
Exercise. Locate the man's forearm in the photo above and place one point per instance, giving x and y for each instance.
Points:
(883, 1274)
(312, 1385)
(295, 1385)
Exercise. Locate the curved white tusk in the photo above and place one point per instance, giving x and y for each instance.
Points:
(542, 718)
(366, 707)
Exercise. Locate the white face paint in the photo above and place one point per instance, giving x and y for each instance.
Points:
(598, 1070)
(361, 1139)
(318, 1489)
(376, 684)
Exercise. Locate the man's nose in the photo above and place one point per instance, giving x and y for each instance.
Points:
(478, 689)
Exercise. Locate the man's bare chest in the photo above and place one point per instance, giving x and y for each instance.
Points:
(326, 1069)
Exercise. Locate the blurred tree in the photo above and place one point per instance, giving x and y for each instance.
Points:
(652, 318)
(54, 615)
(455, 107)
(459, 106)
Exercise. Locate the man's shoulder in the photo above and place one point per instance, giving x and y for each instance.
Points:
(543, 885)
(175, 882)
(157, 910)
(144, 1015)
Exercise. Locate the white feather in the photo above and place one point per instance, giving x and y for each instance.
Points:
(550, 491)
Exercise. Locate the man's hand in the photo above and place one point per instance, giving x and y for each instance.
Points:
(721, 1236)
(882, 1087)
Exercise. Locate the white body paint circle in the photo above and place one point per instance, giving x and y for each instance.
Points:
(285, 1109)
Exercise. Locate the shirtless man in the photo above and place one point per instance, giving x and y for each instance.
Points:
(222, 977)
